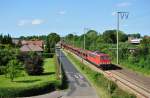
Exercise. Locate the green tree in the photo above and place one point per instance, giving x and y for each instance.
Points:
(91, 37)
(109, 36)
(13, 69)
(1, 37)
(52, 39)
(135, 35)
(34, 64)
(6, 39)
(99, 39)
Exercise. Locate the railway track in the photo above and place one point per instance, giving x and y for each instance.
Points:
(138, 90)
(136, 80)
(122, 79)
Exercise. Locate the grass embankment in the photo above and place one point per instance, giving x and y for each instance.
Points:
(133, 67)
(104, 87)
(138, 69)
(31, 85)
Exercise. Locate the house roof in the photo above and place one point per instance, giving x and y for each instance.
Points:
(27, 48)
(135, 41)
(97, 53)
(36, 42)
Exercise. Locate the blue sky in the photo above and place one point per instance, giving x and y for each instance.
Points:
(40, 17)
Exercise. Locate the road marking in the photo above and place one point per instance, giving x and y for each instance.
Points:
(76, 76)
(80, 76)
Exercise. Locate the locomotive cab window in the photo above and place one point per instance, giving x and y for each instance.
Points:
(92, 55)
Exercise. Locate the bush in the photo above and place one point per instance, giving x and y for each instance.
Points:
(34, 65)
(2, 69)
(28, 91)
(47, 55)
(111, 87)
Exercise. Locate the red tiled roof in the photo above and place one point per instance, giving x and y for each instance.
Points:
(37, 42)
(27, 48)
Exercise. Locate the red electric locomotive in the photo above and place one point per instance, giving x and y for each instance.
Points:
(99, 59)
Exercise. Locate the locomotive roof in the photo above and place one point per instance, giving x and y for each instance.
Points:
(98, 53)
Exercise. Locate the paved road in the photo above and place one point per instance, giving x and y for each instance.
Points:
(79, 87)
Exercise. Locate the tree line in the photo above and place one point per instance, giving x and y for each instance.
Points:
(5, 39)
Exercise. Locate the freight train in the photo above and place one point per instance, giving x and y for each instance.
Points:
(97, 58)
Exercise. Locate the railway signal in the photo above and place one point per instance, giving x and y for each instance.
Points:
(124, 15)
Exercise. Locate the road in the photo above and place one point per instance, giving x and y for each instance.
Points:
(79, 87)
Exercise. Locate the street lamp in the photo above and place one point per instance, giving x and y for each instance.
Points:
(124, 15)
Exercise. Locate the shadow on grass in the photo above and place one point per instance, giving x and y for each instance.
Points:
(28, 81)
(48, 73)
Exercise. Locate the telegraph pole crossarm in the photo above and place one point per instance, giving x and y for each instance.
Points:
(124, 15)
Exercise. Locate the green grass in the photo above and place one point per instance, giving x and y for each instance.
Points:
(134, 67)
(104, 87)
(142, 71)
(23, 84)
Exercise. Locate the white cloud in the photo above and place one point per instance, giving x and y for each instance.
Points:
(123, 4)
(36, 21)
(25, 22)
(62, 12)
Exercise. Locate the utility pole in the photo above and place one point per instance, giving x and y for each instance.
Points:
(84, 38)
(124, 15)
(85, 30)
(117, 38)
(84, 43)
(74, 39)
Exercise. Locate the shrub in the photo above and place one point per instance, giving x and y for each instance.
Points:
(11, 92)
(47, 55)
(34, 65)
(2, 69)
(111, 87)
